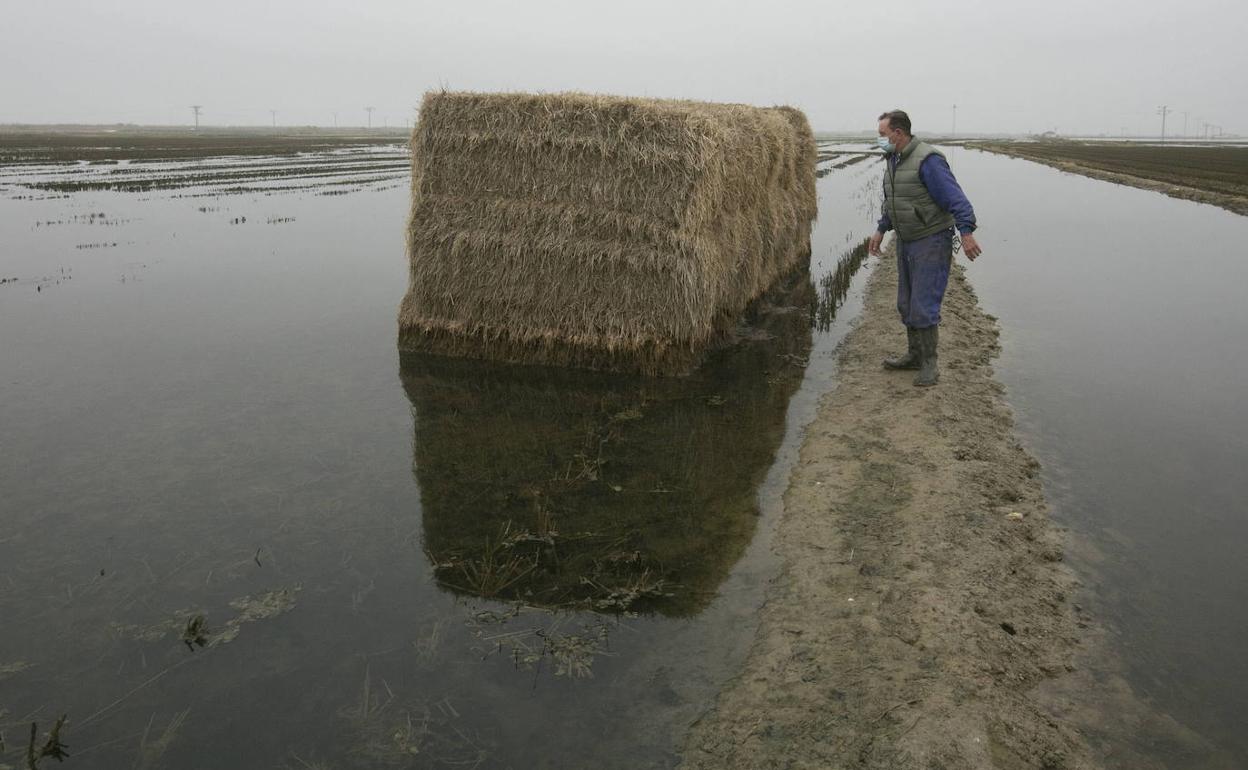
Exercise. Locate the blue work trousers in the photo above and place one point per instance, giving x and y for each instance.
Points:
(922, 275)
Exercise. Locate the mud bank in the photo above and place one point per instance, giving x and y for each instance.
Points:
(924, 616)
(923, 597)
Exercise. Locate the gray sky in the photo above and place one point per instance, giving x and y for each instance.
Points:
(1091, 66)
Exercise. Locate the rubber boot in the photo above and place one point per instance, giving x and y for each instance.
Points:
(928, 374)
(912, 358)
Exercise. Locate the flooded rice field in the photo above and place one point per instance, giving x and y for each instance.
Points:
(238, 529)
(1123, 351)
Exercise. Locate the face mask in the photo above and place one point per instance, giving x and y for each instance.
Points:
(885, 145)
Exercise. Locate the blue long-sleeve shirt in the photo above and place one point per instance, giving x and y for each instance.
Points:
(938, 178)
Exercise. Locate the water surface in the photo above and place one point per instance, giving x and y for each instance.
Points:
(239, 530)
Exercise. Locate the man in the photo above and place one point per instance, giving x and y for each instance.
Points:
(923, 201)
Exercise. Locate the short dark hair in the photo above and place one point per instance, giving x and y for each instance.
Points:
(897, 119)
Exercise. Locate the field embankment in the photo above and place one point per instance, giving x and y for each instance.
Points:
(1208, 174)
(40, 162)
(923, 597)
(101, 144)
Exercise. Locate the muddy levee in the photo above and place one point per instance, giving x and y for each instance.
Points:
(923, 596)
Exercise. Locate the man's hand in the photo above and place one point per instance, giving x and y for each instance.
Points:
(873, 246)
(970, 246)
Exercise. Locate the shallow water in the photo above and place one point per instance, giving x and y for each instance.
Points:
(1123, 329)
(397, 562)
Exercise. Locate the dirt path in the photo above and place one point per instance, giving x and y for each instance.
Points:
(924, 596)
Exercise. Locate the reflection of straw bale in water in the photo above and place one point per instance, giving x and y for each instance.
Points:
(584, 490)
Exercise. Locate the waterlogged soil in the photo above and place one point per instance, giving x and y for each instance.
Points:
(924, 616)
(1216, 175)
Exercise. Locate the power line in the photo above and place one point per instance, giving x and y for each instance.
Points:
(1162, 111)
(195, 108)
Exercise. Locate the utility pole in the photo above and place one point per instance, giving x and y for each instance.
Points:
(1162, 110)
(195, 108)
(1184, 124)
(369, 110)
(335, 120)
(274, 114)
(954, 131)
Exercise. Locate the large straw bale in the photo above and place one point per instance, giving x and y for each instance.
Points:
(597, 231)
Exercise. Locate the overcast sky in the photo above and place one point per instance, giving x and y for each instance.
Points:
(1077, 66)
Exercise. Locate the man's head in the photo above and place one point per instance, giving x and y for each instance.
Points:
(895, 127)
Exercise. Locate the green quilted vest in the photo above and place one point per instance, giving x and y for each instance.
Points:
(907, 202)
